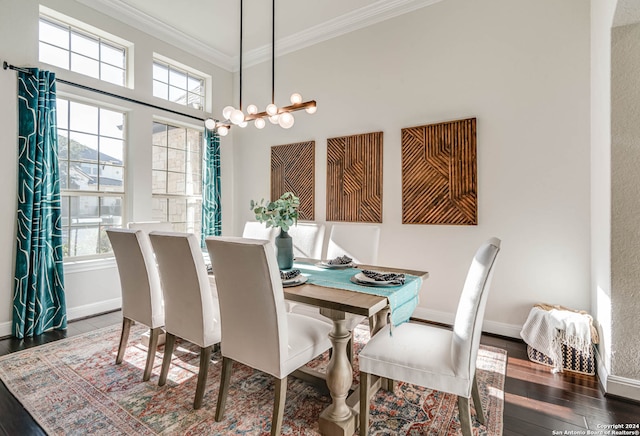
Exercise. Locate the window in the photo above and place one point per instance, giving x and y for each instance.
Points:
(178, 85)
(73, 49)
(177, 176)
(91, 150)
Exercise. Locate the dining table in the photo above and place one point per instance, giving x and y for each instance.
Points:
(338, 295)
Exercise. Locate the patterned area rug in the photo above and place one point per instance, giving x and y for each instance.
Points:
(73, 386)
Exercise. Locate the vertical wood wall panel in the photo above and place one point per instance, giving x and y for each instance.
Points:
(439, 180)
(354, 178)
(293, 169)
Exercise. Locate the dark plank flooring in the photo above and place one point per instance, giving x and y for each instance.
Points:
(536, 401)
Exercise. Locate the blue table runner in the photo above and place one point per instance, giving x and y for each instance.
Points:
(403, 299)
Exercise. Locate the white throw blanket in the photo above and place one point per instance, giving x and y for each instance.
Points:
(547, 330)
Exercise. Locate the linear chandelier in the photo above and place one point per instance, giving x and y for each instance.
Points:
(276, 115)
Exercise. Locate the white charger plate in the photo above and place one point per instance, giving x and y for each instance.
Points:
(327, 265)
(361, 278)
(296, 281)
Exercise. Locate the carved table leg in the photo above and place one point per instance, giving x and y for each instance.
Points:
(338, 419)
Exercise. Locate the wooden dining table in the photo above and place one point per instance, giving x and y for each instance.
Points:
(340, 417)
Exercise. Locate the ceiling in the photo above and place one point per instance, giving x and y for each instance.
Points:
(210, 28)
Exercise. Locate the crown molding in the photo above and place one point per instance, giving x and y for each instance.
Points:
(374, 13)
(127, 14)
(354, 20)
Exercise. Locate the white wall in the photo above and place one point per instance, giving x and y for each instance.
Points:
(601, 20)
(93, 287)
(625, 201)
(528, 89)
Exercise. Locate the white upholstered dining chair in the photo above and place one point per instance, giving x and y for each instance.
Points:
(258, 230)
(432, 356)
(358, 241)
(149, 226)
(308, 242)
(191, 311)
(256, 329)
(141, 290)
(308, 239)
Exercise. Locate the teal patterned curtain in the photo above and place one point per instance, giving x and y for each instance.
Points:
(211, 211)
(38, 295)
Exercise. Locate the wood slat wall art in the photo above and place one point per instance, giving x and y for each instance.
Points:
(439, 180)
(293, 169)
(354, 178)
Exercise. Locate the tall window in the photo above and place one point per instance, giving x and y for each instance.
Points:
(76, 50)
(91, 150)
(177, 85)
(177, 176)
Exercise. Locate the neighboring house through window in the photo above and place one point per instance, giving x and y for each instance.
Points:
(91, 150)
(177, 176)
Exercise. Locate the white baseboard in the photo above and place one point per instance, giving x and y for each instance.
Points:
(623, 387)
(498, 328)
(5, 329)
(616, 385)
(93, 308)
(75, 313)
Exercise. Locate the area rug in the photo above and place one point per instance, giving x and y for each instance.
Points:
(73, 387)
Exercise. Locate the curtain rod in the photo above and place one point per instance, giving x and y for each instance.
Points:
(8, 66)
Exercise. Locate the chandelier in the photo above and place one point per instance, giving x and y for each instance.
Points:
(276, 115)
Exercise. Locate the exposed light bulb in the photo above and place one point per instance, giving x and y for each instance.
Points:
(223, 130)
(272, 109)
(237, 116)
(226, 112)
(274, 119)
(243, 124)
(210, 123)
(296, 98)
(311, 109)
(259, 123)
(286, 120)
(252, 109)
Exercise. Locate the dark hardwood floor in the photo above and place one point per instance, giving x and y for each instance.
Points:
(536, 401)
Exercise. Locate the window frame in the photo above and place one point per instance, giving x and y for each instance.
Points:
(99, 37)
(188, 72)
(99, 194)
(171, 123)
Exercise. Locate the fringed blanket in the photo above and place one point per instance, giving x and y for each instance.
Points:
(549, 327)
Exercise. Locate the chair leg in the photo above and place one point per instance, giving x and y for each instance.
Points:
(124, 338)
(475, 394)
(464, 410)
(151, 352)
(278, 406)
(225, 377)
(365, 394)
(205, 358)
(169, 344)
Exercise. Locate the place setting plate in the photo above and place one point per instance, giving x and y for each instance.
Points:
(295, 281)
(325, 264)
(361, 279)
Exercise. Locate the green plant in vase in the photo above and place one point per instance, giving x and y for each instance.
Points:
(282, 213)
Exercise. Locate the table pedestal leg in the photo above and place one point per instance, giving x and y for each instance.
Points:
(338, 419)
